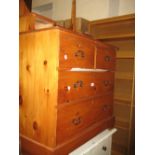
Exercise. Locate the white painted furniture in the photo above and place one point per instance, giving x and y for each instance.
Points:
(99, 145)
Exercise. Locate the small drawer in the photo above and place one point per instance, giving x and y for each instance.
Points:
(72, 119)
(76, 51)
(104, 82)
(75, 85)
(105, 58)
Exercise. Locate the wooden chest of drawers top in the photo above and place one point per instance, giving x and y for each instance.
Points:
(79, 51)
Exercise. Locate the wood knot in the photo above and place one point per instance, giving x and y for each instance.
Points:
(46, 90)
(45, 62)
(35, 125)
(28, 67)
(20, 100)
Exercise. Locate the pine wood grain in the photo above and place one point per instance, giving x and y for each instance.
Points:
(38, 85)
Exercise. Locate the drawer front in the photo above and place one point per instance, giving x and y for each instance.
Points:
(104, 82)
(73, 119)
(75, 85)
(76, 51)
(105, 58)
(102, 148)
(103, 107)
(98, 145)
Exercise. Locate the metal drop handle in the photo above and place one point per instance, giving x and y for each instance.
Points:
(79, 83)
(107, 58)
(106, 83)
(106, 107)
(76, 121)
(104, 148)
(79, 53)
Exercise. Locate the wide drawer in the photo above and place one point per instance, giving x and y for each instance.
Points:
(78, 85)
(76, 51)
(74, 118)
(105, 58)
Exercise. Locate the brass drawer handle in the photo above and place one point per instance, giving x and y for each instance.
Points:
(76, 121)
(106, 107)
(79, 83)
(75, 85)
(107, 58)
(106, 83)
(79, 53)
(104, 148)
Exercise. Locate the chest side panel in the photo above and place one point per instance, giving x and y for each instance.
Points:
(38, 85)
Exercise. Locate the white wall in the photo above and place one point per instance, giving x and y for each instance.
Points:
(89, 9)
(126, 7)
(36, 3)
(92, 9)
(62, 9)
(47, 13)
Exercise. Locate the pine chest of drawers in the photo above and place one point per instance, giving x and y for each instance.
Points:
(66, 90)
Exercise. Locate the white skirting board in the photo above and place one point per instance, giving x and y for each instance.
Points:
(99, 145)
